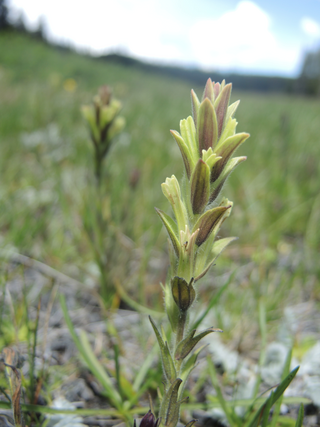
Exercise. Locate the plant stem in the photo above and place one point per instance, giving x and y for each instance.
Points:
(181, 326)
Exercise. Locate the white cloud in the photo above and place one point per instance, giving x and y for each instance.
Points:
(240, 39)
(142, 28)
(310, 27)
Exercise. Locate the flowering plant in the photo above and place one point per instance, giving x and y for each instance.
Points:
(207, 141)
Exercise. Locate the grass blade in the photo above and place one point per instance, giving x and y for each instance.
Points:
(274, 397)
(300, 416)
(285, 373)
(233, 420)
(213, 302)
(90, 359)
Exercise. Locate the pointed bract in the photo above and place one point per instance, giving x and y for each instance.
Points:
(207, 222)
(167, 362)
(221, 106)
(208, 91)
(187, 345)
(169, 411)
(207, 128)
(195, 103)
(225, 150)
(218, 247)
(231, 165)
(200, 187)
(184, 151)
(171, 228)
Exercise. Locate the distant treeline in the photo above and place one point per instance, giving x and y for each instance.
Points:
(196, 76)
(307, 83)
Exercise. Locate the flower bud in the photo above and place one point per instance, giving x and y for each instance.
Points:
(182, 292)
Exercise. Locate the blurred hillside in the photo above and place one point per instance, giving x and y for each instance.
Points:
(306, 83)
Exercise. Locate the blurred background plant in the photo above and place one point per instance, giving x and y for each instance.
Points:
(104, 123)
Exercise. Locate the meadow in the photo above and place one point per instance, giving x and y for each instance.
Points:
(46, 166)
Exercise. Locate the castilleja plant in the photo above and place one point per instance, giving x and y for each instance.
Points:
(207, 142)
(104, 124)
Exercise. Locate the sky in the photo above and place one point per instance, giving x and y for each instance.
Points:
(266, 37)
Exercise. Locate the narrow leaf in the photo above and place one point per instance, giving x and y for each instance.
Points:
(300, 416)
(188, 344)
(222, 401)
(274, 397)
(266, 411)
(190, 364)
(90, 359)
(284, 384)
(167, 362)
(171, 228)
(169, 411)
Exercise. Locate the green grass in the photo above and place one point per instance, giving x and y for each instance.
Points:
(46, 170)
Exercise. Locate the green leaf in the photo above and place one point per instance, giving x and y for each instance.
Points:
(167, 362)
(231, 416)
(200, 187)
(190, 364)
(171, 228)
(285, 372)
(169, 411)
(300, 416)
(188, 344)
(274, 397)
(266, 411)
(90, 359)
